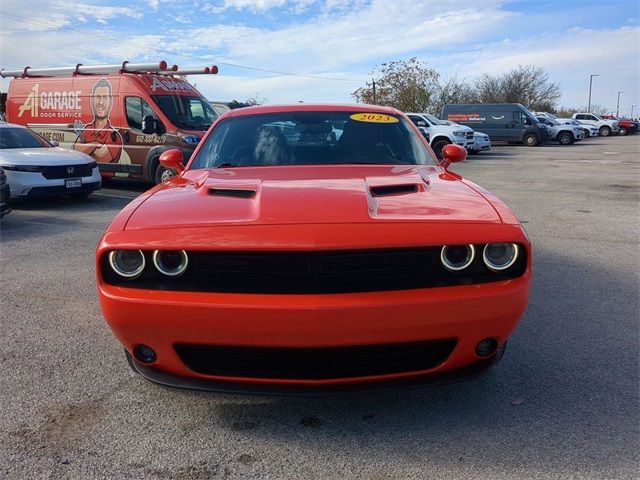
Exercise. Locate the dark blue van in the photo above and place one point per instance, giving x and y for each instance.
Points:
(503, 122)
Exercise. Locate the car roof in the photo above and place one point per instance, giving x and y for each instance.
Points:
(11, 125)
(312, 107)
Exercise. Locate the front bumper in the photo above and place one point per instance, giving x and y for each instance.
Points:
(34, 185)
(163, 319)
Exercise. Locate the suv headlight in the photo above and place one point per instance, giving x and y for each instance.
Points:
(459, 133)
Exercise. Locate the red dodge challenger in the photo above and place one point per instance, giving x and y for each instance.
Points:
(313, 248)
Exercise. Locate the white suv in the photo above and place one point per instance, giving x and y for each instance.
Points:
(589, 130)
(605, 127)
(441, 133)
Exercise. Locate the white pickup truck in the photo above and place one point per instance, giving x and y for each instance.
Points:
(605, 127)
(441, 133)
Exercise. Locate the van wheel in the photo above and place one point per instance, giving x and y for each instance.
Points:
(604, 131)
(438, 145)
(531, 140)
(163, 174)
(565, 138)
(623, 131)
(586, 133)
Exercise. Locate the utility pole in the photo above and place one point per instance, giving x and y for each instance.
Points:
(374, 91)
(618, 104)
(590, 83)
(632, 106)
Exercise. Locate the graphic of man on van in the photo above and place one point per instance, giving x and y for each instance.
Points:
(98, 138)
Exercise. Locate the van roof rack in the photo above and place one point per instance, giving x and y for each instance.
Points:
(159, 68)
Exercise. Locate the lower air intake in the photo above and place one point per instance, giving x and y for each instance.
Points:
(314, 363)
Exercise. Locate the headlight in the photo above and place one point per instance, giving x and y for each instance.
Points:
(127, 263)
(23, 168)
(459, 133)
(457, 257)
(500, 256)
(171, 262)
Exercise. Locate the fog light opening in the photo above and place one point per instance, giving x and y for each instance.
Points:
(486, 347)
(144, 354)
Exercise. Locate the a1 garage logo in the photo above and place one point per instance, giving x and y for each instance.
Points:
(56, 103)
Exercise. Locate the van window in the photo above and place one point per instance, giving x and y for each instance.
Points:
(190, 113)
(520, 117)
(137, 108)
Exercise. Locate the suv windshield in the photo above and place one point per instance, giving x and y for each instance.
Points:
(21, 138)
(190, 113)
(311, 138)
(435, 120)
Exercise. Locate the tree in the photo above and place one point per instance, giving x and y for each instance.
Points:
(451, 90)
(565, 112)
(404, 84)
(528, 84)
(256, 100)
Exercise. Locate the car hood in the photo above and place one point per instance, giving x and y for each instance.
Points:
(312, 195)
(42, 156)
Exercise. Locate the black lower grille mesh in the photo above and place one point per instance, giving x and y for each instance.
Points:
(314, 363)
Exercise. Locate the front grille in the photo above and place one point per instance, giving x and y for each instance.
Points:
(313, 272)
(314, 363)
(67, 171)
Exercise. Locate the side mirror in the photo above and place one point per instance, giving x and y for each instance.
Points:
(149, 125)
(54, 143)
(452, 154)
(172, 159)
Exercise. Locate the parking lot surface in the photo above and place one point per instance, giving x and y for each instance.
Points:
(564, 402)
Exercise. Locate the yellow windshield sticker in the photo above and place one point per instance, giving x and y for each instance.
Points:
(373, 118)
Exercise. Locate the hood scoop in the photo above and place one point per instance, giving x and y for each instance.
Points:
(232, 192)
(389, 190)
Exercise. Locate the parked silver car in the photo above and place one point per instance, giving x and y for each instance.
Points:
(37, 168)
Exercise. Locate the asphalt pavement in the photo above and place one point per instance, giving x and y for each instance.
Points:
(563, 404)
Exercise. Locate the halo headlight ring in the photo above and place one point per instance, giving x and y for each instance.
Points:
(113, 263)
(471, 255)
(171, 272)
(499, 268)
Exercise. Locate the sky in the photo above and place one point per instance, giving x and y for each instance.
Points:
(286, 51)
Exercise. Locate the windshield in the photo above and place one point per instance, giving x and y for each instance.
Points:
(21, 138)
(435, 120)
(190, 113)
(548, 121)
(312, 138)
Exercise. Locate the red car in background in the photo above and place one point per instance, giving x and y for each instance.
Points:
(626, 125)
(313, 248)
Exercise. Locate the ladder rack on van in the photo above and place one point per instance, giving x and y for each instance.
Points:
(160, 68)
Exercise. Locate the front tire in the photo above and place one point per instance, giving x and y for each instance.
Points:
(163, 174)
(437, 146)
(531, 140)
(623, 131)
(565, 138)
(604, 131)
